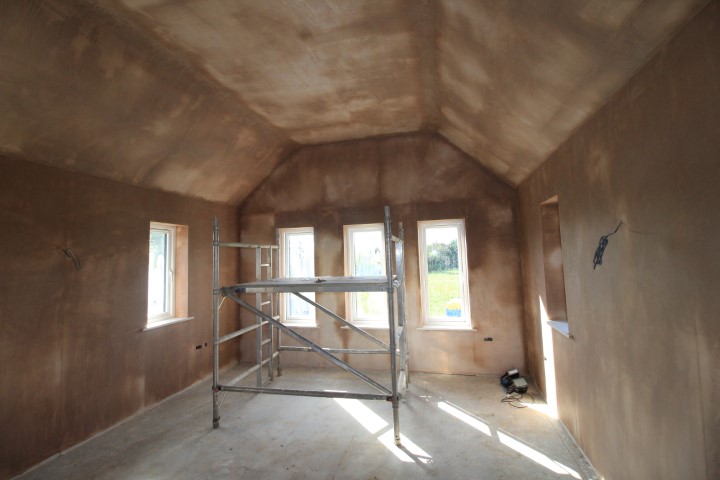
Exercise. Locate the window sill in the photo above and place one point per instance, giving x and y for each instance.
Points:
(370, 327)
(162, 323)
(300, 325)
(561, 327)
(448, 328)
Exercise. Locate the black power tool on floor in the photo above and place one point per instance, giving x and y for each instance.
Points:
(513, 382)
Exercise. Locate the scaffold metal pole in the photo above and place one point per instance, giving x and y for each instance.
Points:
(216, 322)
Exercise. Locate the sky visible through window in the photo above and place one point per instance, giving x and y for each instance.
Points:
(157, 277)
(300, 264)
(441, 235)
(368, 258)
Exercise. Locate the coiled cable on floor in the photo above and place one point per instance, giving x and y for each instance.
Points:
(515, 399)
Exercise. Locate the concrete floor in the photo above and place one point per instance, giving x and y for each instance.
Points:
(453, 427)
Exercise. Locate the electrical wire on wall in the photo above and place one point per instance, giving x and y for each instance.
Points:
(70, 254)
(600, 251)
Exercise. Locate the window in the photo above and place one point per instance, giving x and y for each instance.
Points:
(553, 265)
(365, 257)
(443, 273)
(167, 273)
(297, 260)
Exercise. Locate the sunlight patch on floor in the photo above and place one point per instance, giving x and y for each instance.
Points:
(537, 457)
(408, 451)
(465, 417)
(371, 421)
(520, 447)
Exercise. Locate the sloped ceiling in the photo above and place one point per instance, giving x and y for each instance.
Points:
(205, 97)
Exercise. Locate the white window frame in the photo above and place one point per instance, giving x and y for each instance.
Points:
(351, 297)
(461, 322)
(285, 317)
(171, 231)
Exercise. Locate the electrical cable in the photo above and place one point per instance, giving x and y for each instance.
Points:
(597, 260)
(70, 254)
(514, 399)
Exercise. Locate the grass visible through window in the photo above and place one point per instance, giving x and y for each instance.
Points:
(443, 289)
(443, 295)
(371, 305)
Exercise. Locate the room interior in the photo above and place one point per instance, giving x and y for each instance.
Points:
(544, 126)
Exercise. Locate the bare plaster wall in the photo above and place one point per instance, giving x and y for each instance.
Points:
(421, 177)
(73, 358)
(638, 384)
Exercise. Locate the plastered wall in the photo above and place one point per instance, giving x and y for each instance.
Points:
(73, 357)
(421, 177)
(638, 384)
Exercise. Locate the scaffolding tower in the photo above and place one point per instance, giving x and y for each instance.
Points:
(268, 326)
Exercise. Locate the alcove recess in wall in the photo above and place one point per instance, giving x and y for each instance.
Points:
(553, 266)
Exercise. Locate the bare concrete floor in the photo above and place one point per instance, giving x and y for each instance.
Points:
(453, 427)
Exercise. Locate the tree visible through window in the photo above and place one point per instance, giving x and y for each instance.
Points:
(443, 272)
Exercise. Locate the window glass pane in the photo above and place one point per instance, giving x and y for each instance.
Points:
(370, 305)
(444, 287)
(299, 308)
(368, 255)
(300, 255)
(300, 263)
(368, 259)
(157, 273)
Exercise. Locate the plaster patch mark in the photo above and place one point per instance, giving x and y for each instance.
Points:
(80, 44)
(245, 138)
(111, 63)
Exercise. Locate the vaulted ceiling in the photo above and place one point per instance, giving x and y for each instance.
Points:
(205, 97)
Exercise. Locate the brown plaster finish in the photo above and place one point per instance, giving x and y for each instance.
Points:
(73, 358)
(638, 385)
(517, 78)
(421, 177)
(321, 71)
(204, 97)
(95, 91)
(506, 82)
